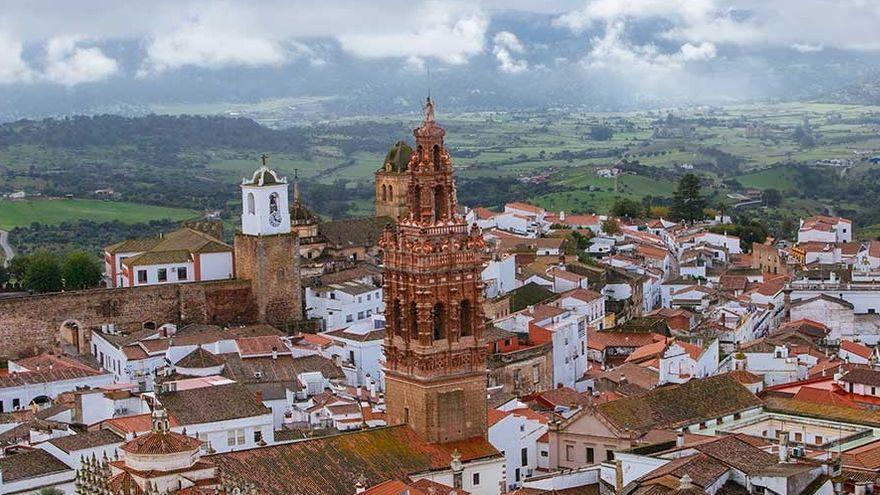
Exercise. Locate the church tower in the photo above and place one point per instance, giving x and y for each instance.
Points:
(266, 251)
(435, 355)
(392, 182)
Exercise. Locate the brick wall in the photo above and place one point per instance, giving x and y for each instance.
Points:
(36, 321)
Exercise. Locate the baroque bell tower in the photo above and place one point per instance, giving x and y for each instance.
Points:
(435, 355)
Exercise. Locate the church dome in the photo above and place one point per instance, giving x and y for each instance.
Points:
(397, 158)
(299, 214)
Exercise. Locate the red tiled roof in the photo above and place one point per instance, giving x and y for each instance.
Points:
(261, 346)
(161, 443)
(496, 416)
(601, 340)
(134, 424)
(824, 396)
(585, 295)
(856, 348)
(484, 213)
(524, 207)
(863, 457)
(331, 465)
(746, 377)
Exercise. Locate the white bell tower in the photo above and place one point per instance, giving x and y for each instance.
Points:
(264, 203)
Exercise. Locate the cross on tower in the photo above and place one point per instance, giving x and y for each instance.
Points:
(265, 159)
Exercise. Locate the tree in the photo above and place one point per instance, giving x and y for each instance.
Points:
(43, 272)
(771, 197)
(80, 271)
(18, 267)
(601, 132)
(611, 226)
(687, 202)
(4, 275)
(50, 490)
(627, 208)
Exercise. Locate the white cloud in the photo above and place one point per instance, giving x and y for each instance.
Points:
(613, 51)
(68, 63)
(506, 46)
(450, 33)
(806, 47)
(13, 68)
(210, 38)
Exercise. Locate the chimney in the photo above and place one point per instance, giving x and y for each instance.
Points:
(861, 487)
(783, 446)
(679, 439)
(361, 485)
(274, 353)
(259, 395)
(685, 482)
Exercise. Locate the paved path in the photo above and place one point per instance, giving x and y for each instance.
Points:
(8, 253)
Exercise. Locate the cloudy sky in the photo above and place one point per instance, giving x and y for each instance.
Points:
(64, 44)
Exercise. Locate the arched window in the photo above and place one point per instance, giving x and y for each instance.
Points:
(439, 323)
(419, 151)
(417, 200)
(390, 193)
(250, 204)
(464, 318)
(439, 203)
(384, 193)
(413, 321)
(396, 318)
(436, 157)
(273, 203)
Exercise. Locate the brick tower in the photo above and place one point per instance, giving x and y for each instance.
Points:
(266, 251)
(435, 356)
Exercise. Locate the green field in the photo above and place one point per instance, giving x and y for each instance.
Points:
(54, 211)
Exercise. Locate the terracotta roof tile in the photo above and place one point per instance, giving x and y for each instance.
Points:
(161, 443)
(856, 348)
(212, 403)
(30, 464)
(331, 465)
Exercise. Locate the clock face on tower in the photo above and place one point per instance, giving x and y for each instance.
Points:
(274, 219)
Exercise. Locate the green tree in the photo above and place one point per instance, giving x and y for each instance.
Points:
(4, 274)
(611, 226)
(43, 272)
(601, 132)
(687, 202)
(80, 271)
(771, 197)
(18, 267)
(625, 207)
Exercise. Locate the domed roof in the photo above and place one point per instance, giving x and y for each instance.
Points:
(299, 214)
(397, 158)
(167, 442)
(264, 176)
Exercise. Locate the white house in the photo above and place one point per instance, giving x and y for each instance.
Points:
(342, 304)
(516, 434)
(585, 303)
(499, 276)
(825, 229)
(42, 378)
(568, 334)
(185, 255)
(225, 415)
(359, 348)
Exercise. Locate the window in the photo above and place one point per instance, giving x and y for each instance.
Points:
(235, 437)
(737, 415)
(439, 321)
(819, 440)
(464, 317)
(569, 453)
(351, 356)
(181, 273)
(369, 312)
(544, 453)
(591, 455)
(142, 276)
(332, 295)
(16, 403)
(702, 426)
(798, 437)
(258, 436)
(250, 203)
(609, 454)
(162, 274)
(360, 299)
(476, 479)
(524, 457)
(349, 318)
(203, 437)
(516, 474)
(360, 315)
(536, 374)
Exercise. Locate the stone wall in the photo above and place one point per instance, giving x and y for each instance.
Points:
(271, 264)
(36, 321)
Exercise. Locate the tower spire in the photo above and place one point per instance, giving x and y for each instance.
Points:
(296, 186)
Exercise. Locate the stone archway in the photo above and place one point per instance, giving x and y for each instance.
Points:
(73, 333)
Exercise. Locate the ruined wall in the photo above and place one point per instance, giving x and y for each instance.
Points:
(29, 321)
